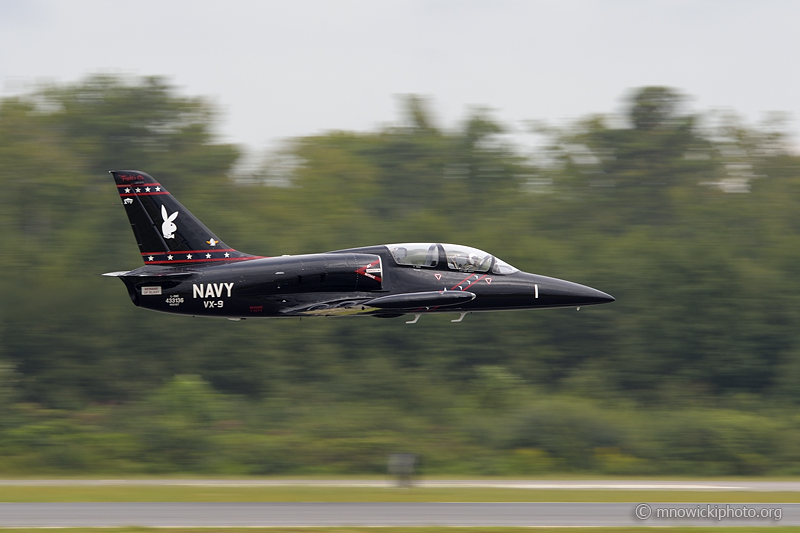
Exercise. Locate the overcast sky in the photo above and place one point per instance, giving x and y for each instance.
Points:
(290, 68)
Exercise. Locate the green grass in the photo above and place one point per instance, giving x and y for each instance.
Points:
(172, 493)
(791, 529)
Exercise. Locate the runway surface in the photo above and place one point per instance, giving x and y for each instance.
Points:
(405, 514)
(374, 514)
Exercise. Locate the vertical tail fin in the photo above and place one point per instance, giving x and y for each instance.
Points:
(167, 233)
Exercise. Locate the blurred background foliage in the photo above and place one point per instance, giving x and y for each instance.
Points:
(688, 218)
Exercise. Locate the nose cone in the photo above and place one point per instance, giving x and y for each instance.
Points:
(590, 296)
(560, 293)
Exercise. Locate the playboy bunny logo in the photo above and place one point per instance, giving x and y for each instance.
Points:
(168, 228)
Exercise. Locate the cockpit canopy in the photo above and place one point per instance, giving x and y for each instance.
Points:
(454, 256)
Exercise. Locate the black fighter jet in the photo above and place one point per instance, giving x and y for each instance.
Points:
(188, 270)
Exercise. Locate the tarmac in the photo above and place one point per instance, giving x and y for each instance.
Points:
(51, 515)
(274, 514)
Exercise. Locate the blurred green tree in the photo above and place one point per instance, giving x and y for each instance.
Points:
(689, 219)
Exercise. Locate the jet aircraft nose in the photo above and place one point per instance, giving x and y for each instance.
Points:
(569, 293)
(593, 296)
(560, 293)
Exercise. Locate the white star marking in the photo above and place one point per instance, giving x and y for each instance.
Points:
(138, 189)
(188, 256)
(127, 191)
(158, 189)
(169, 257)
(150, 258)
(147, 189)
(227, 254)
(208, 256)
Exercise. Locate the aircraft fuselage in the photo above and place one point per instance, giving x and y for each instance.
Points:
(343, 283)
(190, 271)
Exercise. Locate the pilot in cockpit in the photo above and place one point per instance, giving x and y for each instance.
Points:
(464, 261)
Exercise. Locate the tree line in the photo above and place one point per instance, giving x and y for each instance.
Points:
(686, 217)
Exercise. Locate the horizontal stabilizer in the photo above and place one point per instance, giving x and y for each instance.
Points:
(413, 300)
(153, 272)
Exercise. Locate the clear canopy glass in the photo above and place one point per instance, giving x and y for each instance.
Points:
(415, 254)
(457, 257)
(466, 259)
(501, 267)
